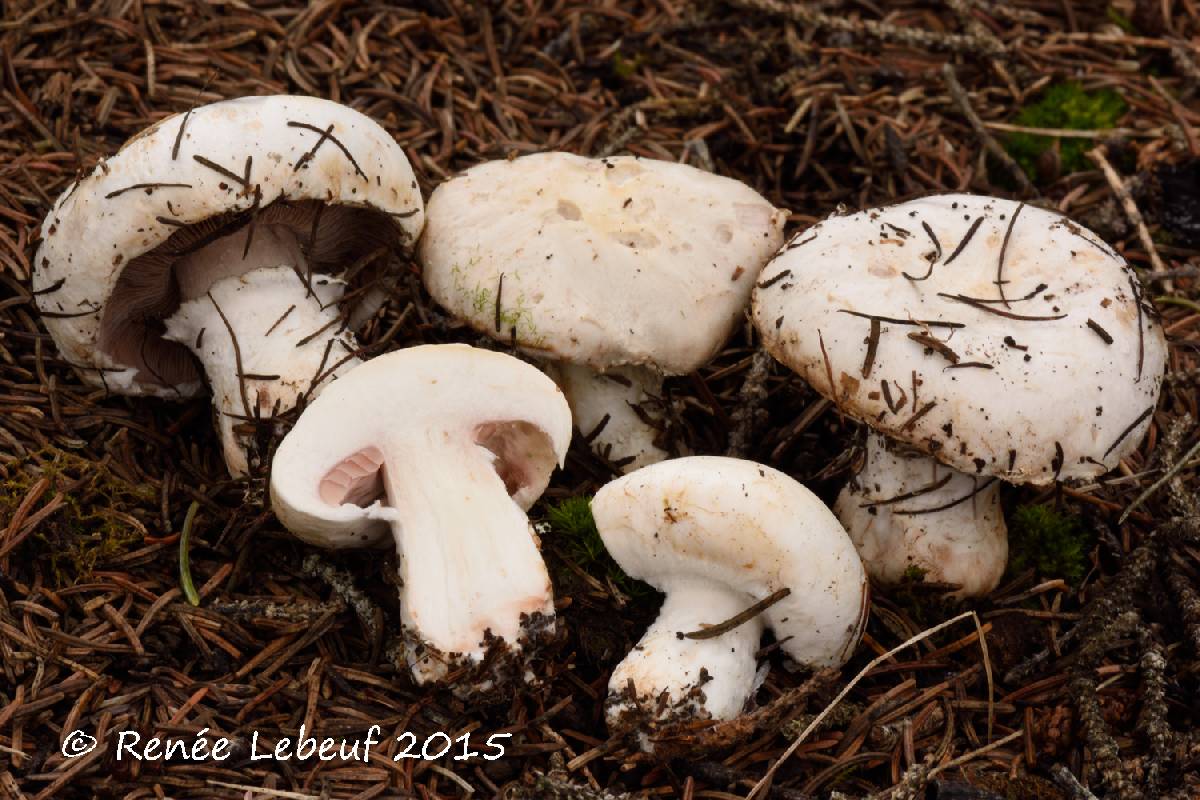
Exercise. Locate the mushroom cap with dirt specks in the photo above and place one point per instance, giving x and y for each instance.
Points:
(748, 529)
(605, 262)
(133, 202)
(1056, 379)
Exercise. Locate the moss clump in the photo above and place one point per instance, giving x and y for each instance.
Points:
(1054, 544)
(573, 531)
(625, 68)
(1066, 106)
(1120, 20)
(92, 525)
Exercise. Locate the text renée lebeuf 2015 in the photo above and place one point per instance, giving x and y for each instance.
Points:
(303, 748)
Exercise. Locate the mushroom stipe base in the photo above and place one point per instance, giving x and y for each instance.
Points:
(503, 665)
(682, 735)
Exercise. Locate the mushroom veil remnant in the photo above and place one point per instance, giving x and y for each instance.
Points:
(619, 270)
(717, 535)
(982, 340)
(216, 244)
(441, 448)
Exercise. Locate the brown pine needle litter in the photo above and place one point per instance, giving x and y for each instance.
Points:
(1082, 687)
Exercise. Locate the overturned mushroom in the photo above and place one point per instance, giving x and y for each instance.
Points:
(983, 340)
(443, 448)
(718, 536)
(214, 245)
(620, 269)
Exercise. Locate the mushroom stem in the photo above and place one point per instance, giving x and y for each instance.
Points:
(626, 396)
(264, 340)
(669, 675)
(909, 512)
(470, 569)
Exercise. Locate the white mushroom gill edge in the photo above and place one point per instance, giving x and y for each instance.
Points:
(102, 216)
(616, 410)
(264, 340)
(442, 447)
(717, 535)
(911, 512)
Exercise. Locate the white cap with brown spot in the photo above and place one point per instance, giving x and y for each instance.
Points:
(623, 265)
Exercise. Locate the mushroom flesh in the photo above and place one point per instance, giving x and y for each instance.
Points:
(442, 448)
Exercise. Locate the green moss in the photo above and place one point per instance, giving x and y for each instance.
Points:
(515, 312)
(90, 527)
(1055, 544)
(625, 68)
(1067, 106)
(573, 531)
(913, 574)
(1120, 20)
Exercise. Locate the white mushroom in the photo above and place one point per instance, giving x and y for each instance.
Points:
(624, 266)
(718, 535)
(443, 447)
(212, 245)
(986, 341)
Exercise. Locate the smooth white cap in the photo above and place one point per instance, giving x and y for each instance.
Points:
(605, 262)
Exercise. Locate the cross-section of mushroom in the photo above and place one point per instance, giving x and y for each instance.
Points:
(736, 547)
(443, 447)
(619, 269)
(983, 340)
(217, 244)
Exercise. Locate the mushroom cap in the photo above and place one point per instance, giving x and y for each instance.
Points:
(747, 528)
(1058, 384)
(605, 262)
(508, 406)
(137, 200)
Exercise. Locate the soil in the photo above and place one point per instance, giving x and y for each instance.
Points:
(818, 105)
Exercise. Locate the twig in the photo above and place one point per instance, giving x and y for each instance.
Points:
(959, 95)
(749, 414)
(1171, 472)
(799, 740)
(737, 620)
(343, 586)
(918, 38)
(1097, 155)
(1070, 784)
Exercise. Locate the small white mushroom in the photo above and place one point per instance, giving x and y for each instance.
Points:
(625, 266)
(442, 448)
(984, 340)
(718, 535)
(213, 244)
